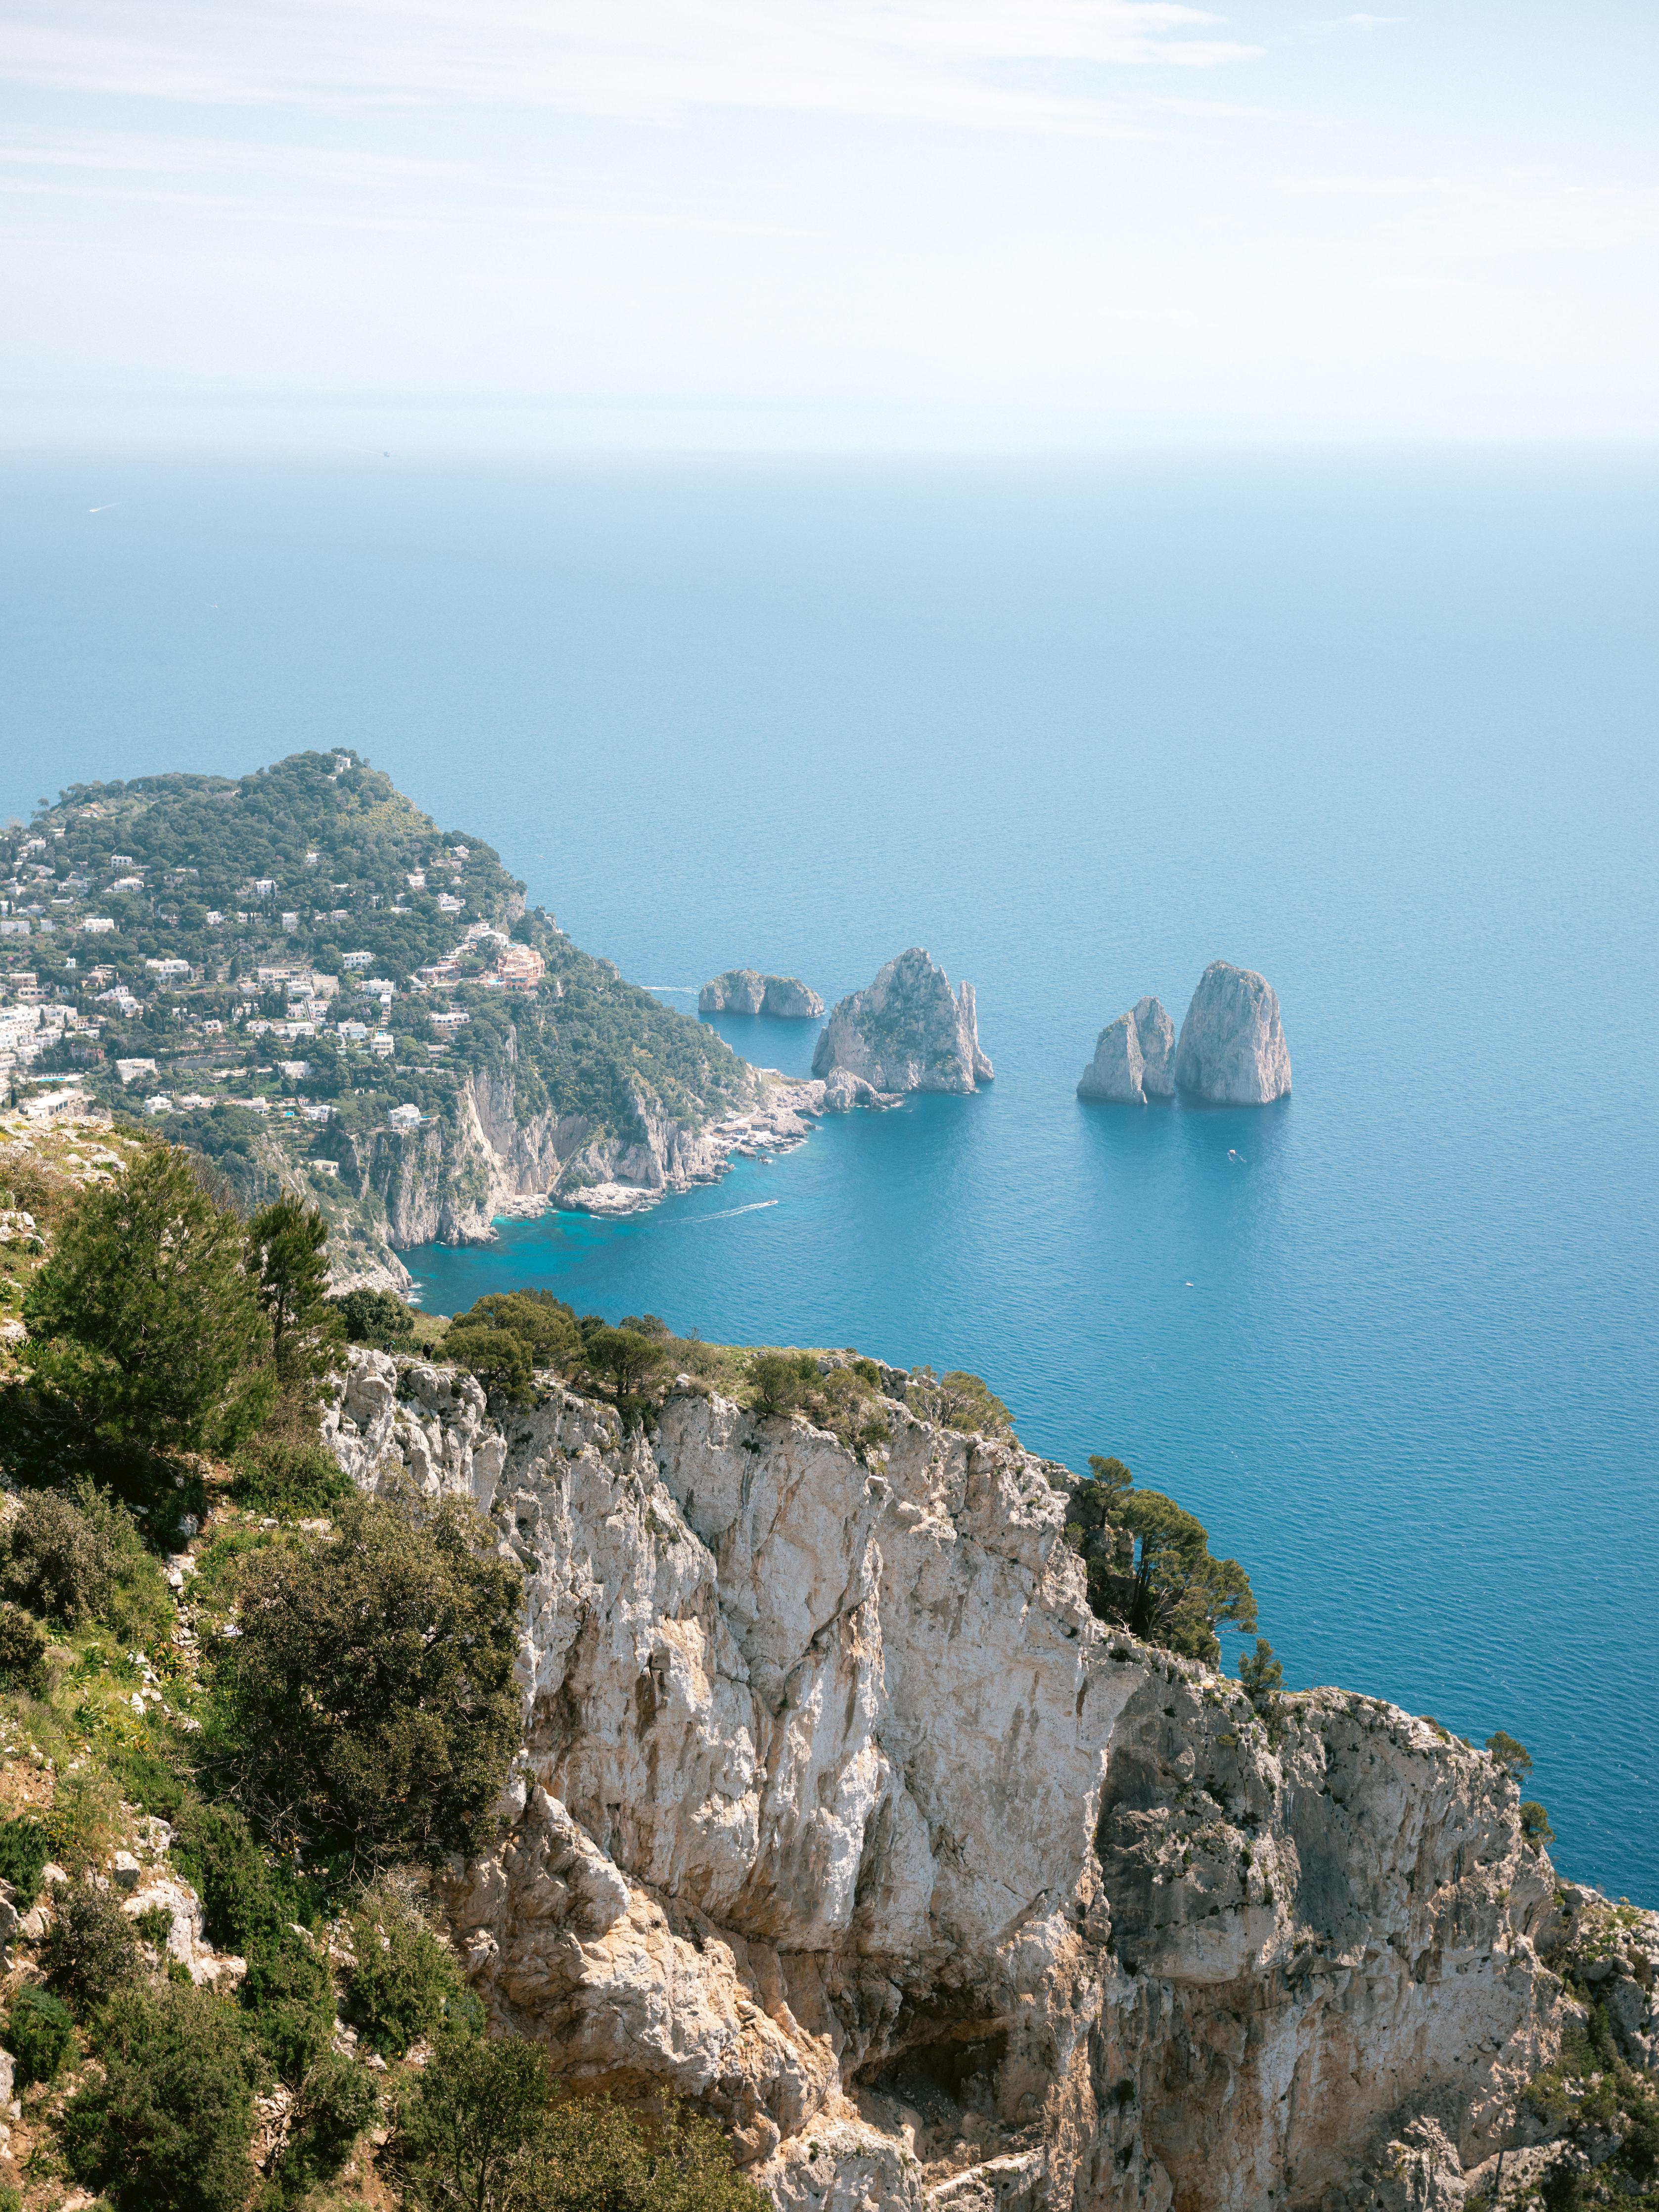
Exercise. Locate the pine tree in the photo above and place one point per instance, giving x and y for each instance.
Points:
(144, 1320)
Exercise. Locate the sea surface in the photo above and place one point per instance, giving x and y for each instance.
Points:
(1382, 727)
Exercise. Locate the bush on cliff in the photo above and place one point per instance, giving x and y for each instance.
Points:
(378, 1318)
(144, 1323)
(168, 2126)
(1177, 1593)
(404, 1980)
(367, 1707)
(482, 2131)
(77, 1558)
(22, 1652)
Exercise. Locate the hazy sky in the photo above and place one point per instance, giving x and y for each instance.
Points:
(980, 224)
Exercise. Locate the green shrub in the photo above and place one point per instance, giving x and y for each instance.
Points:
(292, 1480)
(782, 1380)
(40, 2034)
(22, 1652)
(368, 1706)
(404, 1979)
(247, 1904)
(288, 1993)
(25, 1847)
(376, 1318)
(254, 1908)
(90, 1950)
(168, 2126)
(154, 1924)
(336, 2100)
(75, 1557)
(84, 1823)
(481, 2132)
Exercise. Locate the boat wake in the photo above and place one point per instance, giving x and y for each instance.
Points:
(731, 1213)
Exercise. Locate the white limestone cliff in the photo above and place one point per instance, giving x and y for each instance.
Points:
(746, 991)
(1232, 1050)
(838, 1810)
(906, 1031)
(1134, 1058)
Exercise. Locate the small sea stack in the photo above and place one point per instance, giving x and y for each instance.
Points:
(1134, 1058)
(746, 991)
(1232, 1050)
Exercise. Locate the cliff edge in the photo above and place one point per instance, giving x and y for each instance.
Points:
(838, 1810)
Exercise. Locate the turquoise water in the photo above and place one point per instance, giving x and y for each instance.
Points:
(1383, 729)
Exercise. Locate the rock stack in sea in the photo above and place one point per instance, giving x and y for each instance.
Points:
(746, 991)
(1232, 1050)
(908, 1031)
(1134, 1058)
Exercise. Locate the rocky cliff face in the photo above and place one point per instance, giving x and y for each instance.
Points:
(1134, 1058)
(839, 1811)
(907, 1031)
(448, 1183)
(746, 991)
(1232, 1049)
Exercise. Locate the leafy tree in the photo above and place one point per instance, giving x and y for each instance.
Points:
(593, 2157)
(1109, 1478)
(1261, 1673)
(143, 1319)
(1186, 1593)
(544, 1325)
(169, 2126)
(404, 1978)
(22, 1652)
(1536, 1823)
(476, 2110)
(90, 1951)
(501, 1360)
(287, 1254)
(369, 1705)
(625, 1358)
(377, 1318)
(782, 1380)
(40, 2034)
(1512, 1756)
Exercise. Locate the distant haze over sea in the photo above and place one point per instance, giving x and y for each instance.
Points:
(1384, 729)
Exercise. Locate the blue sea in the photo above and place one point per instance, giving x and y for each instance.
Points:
(1384, 728)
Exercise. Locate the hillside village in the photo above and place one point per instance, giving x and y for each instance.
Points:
(282, 969)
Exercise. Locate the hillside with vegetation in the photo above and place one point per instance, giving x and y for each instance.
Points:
(252, 1717)
(277, 965)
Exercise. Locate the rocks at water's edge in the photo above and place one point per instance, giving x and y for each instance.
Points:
(1232, 1050)
(907, 1031)
(1134, 1058)
(746, 991)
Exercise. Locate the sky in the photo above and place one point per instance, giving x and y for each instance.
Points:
(825, 225)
